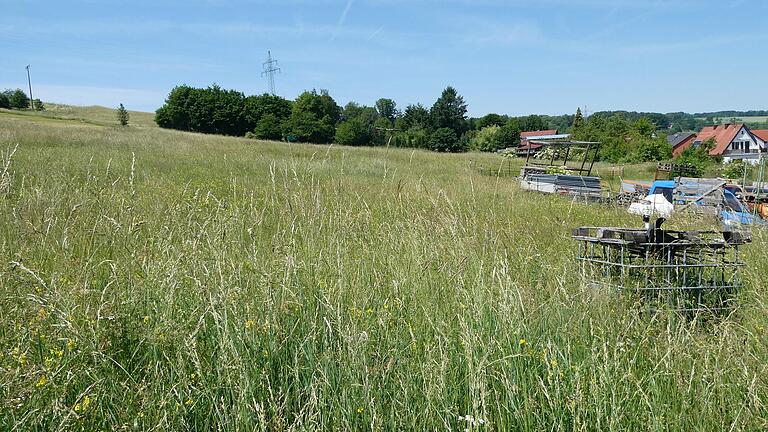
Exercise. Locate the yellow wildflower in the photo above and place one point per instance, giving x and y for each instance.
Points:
(82, 406)
(188, 402)
(41, 314)
(146, 319)
(71, 345)
(248, 324)
(41, 382)
(523, 342)
(553, 363)
(360, 410)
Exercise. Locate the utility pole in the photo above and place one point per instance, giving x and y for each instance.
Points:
(29, 81)
(270, 68)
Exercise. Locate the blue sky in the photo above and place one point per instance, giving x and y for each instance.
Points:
(511, 57)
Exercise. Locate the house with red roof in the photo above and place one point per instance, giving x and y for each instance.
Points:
(731, 142)
(525, 146)
(680, 141)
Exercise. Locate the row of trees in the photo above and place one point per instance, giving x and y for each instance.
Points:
(315, 117)
(17, 99)
(623, 141)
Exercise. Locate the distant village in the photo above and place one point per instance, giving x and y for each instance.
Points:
(730, 141)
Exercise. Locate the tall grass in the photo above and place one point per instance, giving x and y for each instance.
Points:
(156, 280)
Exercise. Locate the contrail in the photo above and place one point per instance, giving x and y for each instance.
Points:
(342, 19)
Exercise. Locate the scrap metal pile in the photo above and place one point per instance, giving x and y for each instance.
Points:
(689, 271)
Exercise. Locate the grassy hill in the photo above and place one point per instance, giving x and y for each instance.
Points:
(160, 280)
(97, 115)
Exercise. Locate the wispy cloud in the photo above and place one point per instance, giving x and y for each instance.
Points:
(375, 33)
(342, 19)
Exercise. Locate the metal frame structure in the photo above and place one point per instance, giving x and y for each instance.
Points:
(587, 145)
(685, 271)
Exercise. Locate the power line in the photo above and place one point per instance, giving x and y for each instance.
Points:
(270, 68)
(29, 81)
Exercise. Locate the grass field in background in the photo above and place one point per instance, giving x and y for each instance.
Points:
(160, 280)
(96, 115)
(745, 119)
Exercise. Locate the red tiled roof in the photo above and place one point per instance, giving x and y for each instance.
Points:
(722, 134)
(680, 147)
(532, 146)
(525, 135)
(761, 133)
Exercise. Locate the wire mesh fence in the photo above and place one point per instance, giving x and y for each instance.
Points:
(687, 271)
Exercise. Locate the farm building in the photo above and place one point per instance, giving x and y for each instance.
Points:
(732, 142)
(527, 137)
(680, 141)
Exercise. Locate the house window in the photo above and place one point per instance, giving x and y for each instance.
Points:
(746, 147)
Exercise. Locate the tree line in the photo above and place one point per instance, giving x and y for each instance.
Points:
(17, 99)
(315, 117)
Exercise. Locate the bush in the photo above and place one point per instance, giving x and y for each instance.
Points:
(39, 105)
(698, 157)
(486, 139)
(735, 170)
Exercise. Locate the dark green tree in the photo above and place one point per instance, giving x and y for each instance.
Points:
(269, 127)
(387, 108)
(255, 107)
(449, 111)
(174, 114)
(313, 118)
(644, 127)
(355, 132)
(508, 135)
(4, 101)
(490, 120)
(39, 105)
(18, 99)
(578, 120)
(533, 123)
(122, 115)
(445, 140)
(415, 116)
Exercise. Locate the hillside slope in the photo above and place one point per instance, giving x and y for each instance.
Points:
(90, 114)
(162, 280)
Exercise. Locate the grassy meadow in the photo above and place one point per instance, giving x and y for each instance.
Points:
(160, 280)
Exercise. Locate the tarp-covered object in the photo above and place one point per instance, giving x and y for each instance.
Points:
(654, 204)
